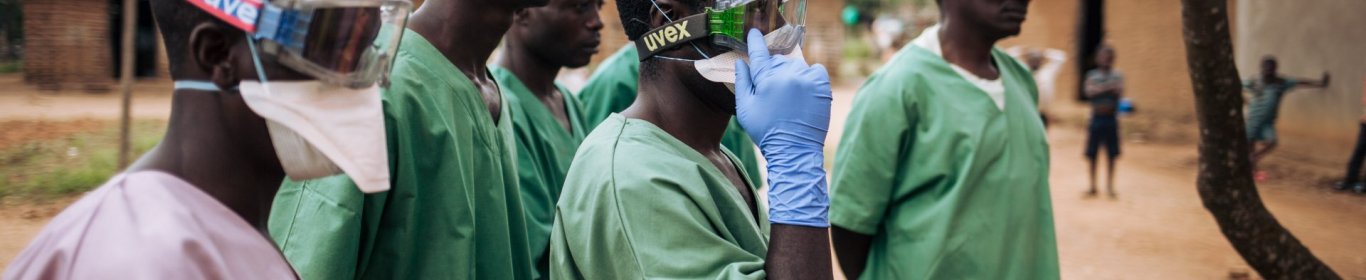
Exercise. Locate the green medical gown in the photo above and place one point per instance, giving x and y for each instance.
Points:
(454, 210)
(639, 204)
(544, 151)
(949, 186)
(613, 87)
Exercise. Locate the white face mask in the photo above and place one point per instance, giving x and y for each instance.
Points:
(721, 68)
(319, 130)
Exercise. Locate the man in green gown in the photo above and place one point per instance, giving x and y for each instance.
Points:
(454, 210)
(613, 87)
(942, 172)
(652, 193)
(547, 120)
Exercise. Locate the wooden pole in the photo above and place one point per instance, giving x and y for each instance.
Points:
(130, 13)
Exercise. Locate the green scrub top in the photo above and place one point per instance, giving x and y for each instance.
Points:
(454, 210)
(948, 185)
(638, 203)
(544, 151)
(613, 87)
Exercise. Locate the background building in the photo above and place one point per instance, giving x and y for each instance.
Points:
(1309, 38)
(74, 44)
(1316, 125)
(1151, 54)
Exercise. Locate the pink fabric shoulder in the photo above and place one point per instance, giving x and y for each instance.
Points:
(149, 225)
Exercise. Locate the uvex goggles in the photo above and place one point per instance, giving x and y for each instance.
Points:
(726, 23)
(345, 42)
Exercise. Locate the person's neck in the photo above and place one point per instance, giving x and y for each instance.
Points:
(967, 47)
(465, 32)
(536, 74)
(197, 148)
(666, 102)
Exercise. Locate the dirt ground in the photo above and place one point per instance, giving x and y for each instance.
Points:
(28, 115)
(19, 222)
(1155, 229)
(151, 99)
(1158, 229)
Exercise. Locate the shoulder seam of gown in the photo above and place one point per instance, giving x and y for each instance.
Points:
(617, 201)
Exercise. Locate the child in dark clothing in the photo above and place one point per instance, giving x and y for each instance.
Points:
(1105, 87)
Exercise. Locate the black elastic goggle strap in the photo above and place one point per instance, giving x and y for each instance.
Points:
(671, 35)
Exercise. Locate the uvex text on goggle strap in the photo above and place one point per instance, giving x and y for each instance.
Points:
(346, 42)
(726, 23)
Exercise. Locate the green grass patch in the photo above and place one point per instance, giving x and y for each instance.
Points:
(856, 48)
(11, 67)
(75, 163)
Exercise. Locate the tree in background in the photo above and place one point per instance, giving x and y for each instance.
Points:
(1225, 181)
(11, 28)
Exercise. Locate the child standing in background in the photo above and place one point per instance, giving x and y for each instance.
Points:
(1105, 88)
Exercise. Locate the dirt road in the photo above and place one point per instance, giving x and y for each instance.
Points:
(1156, 229)
(151, 99)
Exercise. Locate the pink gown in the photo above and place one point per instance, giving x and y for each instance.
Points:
(149, 225)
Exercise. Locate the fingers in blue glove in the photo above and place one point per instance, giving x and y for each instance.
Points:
(819, 74)
(743, 80)
(758, 49)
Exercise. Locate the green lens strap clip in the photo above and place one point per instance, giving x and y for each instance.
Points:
(728, 22)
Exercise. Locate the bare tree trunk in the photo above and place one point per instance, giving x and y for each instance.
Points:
(1225, 181)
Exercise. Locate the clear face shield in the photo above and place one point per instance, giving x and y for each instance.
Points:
(350, 43)
(346, 42)
(783, 23)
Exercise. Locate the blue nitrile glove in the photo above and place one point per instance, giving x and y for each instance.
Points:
(784, 105)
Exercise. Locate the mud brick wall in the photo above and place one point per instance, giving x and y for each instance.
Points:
(824, 32)
(67, 46)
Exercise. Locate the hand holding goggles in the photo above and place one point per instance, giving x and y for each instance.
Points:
(345, 42)
(726, 23)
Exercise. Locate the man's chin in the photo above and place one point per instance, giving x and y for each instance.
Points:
(1009, 27)
(722, 99)
(1011, 30)
(577, 63)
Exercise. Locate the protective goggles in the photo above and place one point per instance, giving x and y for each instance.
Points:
(726, 22)
(346, 42)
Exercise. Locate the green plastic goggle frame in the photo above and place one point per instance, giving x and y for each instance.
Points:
(728, 22)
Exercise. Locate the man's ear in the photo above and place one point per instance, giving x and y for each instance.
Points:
(210, 45)
(211, 48)
(521, 17)
(672, 10)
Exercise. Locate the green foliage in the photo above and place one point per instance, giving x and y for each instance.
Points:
(874, 4)
(11, 67)
(857, 49)
(870, 3)
(869, 9)
(54, 168)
